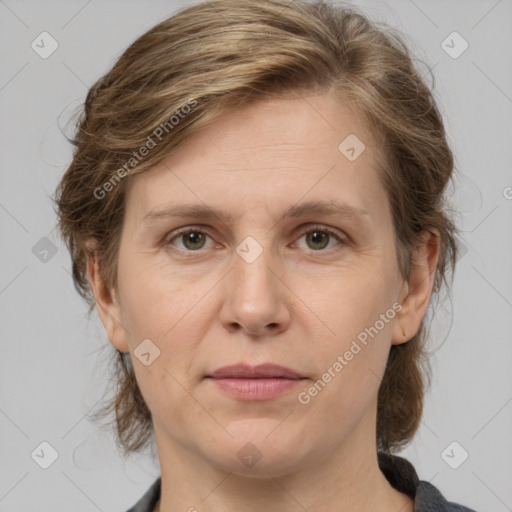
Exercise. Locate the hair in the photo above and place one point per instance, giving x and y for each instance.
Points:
(205, 61)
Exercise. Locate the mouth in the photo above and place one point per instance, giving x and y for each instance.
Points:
(255, 383)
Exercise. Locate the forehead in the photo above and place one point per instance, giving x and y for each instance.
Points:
(268, 151)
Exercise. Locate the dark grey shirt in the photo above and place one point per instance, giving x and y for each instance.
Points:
(399, 472)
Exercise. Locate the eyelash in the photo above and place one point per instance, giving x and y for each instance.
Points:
(198, 229)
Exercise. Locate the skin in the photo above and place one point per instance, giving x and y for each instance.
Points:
(296, 305)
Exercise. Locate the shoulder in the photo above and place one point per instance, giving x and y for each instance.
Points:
(148, 502)
(427, 498)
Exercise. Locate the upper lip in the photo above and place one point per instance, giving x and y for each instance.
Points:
(262, 371)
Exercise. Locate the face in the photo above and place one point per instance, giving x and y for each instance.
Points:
(260, 246)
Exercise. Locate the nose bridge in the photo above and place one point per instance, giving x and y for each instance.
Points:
(255, 301)
(252, 277)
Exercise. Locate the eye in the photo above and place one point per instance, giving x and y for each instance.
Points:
(320, 238)
(188, 239)
(192, 239)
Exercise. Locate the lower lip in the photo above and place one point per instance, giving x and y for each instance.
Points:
(255, 389)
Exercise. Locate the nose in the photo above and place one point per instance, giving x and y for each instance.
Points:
(256, 302)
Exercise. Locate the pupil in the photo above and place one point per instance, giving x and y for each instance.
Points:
(318, 237)
(194, 240)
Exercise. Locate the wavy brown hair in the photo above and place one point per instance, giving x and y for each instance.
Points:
(205, 61)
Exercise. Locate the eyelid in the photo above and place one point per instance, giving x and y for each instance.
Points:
(320, 227)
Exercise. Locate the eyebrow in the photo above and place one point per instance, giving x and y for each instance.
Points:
(298, 210)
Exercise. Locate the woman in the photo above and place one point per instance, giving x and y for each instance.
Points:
(255, 206)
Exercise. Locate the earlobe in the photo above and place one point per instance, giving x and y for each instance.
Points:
(107, 305)
(416, 292)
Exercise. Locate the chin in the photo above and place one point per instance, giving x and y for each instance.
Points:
(260, 448)
(251, 462)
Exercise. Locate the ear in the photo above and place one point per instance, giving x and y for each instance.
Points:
(107, 304)
(416, 292)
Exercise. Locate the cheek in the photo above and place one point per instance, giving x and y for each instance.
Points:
(358, 309)
(154, 299)
(168, 317)
(171, 312)
(350, 369)
(350, 300)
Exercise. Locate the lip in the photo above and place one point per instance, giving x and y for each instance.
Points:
(262, 371)
(255, 383)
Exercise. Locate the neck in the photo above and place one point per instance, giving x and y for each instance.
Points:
(347, 480)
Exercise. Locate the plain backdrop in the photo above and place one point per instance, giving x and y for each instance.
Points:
(52, 364)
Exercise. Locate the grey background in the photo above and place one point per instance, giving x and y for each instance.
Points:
(52, 366)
